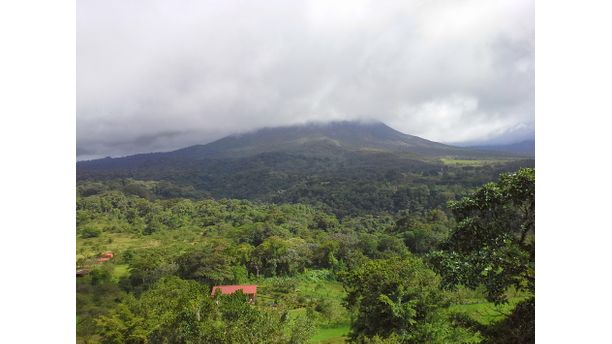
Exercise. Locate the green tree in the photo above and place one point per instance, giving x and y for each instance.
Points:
(242, 323)
(280, 257)
(180, 311)
(399, 298)
(147, 267)
(173, 311)
(493, 243)
(100, 275)
(210, 264)
(90, 232)
(422, 234)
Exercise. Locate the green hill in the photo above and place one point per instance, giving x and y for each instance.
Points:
(347, 167)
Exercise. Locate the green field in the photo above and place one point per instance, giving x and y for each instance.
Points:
(329, 335)
(120, 271)
(471, 162)
(487, 312)
(314, 294)
(114, 242)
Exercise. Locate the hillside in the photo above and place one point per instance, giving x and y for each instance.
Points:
(309, 214)
(346, 166)
(349, 136)
(314, 139)
(524, 148)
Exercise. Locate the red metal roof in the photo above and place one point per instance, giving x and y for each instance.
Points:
(230, 289)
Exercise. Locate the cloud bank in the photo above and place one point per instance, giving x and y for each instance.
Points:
(160, 75)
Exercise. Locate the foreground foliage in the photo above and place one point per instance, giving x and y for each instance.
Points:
(399, 299)
(179, 311)
(493, 245)
(315, 271)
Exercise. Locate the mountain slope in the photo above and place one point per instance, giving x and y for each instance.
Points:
(349, 167)
(322, 139)
(355, 144)
(524, 148)
(301, 150)
(350, 136)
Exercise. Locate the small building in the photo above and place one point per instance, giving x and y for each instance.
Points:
(249, 290)
(105, 257)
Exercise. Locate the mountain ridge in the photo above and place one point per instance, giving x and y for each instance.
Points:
(337, 142)
(348, 135)
(346, 167)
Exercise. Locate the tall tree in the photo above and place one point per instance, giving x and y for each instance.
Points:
(493, 243)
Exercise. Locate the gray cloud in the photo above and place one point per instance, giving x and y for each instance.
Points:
(160, 75)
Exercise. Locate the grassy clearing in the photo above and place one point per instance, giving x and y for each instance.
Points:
(329, 335)
(474, 304)
(471, 162)
(120, 270)
(308, 289)
(487, 312)
(314, 294)
(115, 242)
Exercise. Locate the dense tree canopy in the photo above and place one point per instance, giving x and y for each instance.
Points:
(314, 269)
(179, 311)
(347, 185)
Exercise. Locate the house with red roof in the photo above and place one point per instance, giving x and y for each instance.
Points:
(106, 256)
(249, 290)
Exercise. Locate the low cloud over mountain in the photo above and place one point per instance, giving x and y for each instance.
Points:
(160, 75)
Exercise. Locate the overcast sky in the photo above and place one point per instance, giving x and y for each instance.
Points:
(158, 75)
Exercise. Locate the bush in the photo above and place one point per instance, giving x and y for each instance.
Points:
(100, 275)
(90, 232)
(399, 297)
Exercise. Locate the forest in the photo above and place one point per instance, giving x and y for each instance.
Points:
(440, 257)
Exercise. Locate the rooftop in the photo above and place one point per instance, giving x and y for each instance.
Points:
(230, 289)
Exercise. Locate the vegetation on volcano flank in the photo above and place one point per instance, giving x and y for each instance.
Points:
(343, 245)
